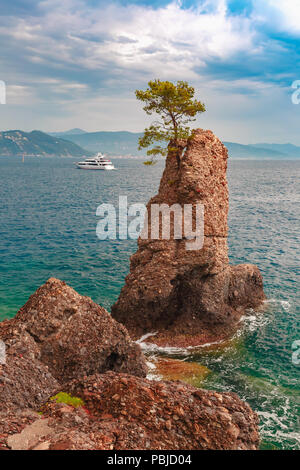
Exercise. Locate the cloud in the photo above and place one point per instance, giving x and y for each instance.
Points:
(279, 15)
(85, 58)
(113, 37)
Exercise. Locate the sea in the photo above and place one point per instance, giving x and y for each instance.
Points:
(48, 228)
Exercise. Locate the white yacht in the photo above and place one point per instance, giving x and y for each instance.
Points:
(99, 162)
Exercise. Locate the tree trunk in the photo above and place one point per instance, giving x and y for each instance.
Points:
(178, 157)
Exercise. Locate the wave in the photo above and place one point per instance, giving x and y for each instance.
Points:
(250, 322)
(172, 350)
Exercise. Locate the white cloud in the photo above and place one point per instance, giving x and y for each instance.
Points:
(280, 15)
(79, 66)
(168, 41)
(19, 94)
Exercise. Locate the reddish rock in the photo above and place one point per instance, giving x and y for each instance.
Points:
(59, 335)
(150, 415)
(175, 369)
(75, 336)
(189, 297)
(24, 380)
(12, 422)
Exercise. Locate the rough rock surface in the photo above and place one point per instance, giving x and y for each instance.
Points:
(25, 381)
(77, 337)
(59, 335)
(189, 297)
(12, 423)
(30, 435)
(125, 412)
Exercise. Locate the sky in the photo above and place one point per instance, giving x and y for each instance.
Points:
(77, 63)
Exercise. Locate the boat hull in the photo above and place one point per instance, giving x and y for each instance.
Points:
(94, 167)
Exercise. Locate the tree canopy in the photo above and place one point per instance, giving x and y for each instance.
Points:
(176, 106)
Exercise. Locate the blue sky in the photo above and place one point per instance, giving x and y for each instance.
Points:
(77, 63)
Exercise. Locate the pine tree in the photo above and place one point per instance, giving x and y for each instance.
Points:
(176, 106)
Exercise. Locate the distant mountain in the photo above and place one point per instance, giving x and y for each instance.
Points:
(287, 149)
(112, 143)
(253, 152)
(75, 141)
(37, 143)
(75, 131)
(126, 143)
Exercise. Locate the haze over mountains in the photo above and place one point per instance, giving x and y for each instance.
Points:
(112, 143)
(75, 131)
(125, 143)
(78, 143)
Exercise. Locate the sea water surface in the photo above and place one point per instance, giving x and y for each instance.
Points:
(48, 228)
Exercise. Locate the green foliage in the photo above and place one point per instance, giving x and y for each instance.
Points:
(176, 106)
(62, 397)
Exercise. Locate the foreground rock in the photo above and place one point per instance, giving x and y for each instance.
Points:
(25, 382)
(189, 297)
(125, 412)
(57, 336)
(77, 337)
(63, 342)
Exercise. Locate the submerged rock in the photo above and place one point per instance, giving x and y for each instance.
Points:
(189, 297)
(192, 373)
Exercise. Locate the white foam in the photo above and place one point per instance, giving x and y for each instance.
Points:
(146, 336)
(172, 350)
(285, 304)
(252, 323)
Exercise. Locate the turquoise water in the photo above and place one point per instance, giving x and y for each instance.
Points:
(48, 228)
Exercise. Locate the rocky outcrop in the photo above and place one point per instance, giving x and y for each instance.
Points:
(57, 336)
(77, 337)
(25, 382)
(125, 412)
(61, 344)
(189, 297)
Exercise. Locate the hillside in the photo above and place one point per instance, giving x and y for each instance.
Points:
(37, 143)
(76, 131)
(126, 143)
(74, 144)
(286, 149)
(112, 143)
(253, 152)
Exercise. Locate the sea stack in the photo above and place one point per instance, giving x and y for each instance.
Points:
(189, 298)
